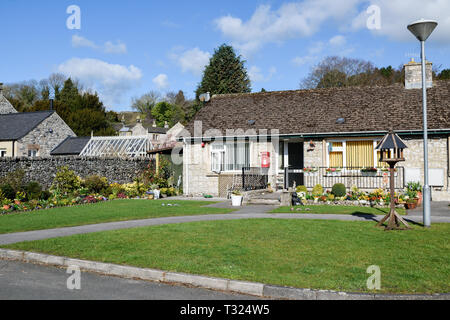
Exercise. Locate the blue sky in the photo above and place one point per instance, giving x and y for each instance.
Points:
(126, 48)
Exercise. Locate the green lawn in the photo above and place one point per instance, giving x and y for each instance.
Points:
(301, 253)
(332, 209)
(117, 210)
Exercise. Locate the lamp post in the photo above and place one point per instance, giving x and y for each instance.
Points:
(421, 30)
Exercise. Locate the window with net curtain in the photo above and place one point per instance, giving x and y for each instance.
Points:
(358, 154)
(230, 156)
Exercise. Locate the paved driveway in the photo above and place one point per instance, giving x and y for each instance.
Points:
(438, 209)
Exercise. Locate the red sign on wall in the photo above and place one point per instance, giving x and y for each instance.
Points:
(265, 159)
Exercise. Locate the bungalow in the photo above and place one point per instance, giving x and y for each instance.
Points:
(304, 137)
(29, 134)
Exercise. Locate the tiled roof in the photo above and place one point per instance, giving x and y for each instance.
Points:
(17, 125)
(314, 111)
(70, 146)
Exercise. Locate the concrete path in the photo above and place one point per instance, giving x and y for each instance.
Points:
(19, 281)
(244, 213)
(438, 209)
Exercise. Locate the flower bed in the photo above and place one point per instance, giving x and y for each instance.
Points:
(68, 190)
(355, 197)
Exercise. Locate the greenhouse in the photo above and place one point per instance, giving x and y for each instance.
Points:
(122, 146)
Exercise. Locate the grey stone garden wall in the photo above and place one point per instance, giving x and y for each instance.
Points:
(43, 170)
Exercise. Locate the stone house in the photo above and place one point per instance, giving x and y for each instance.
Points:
(29, 134)
(304, 137)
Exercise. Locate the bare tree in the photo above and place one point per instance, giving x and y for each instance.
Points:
(146, 102)
(340, 72)
(56, 81)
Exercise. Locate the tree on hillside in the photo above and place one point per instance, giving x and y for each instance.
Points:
(183, 105)
(82, 111)
(339, 72)
(146, 102)
(164, 111)
(444, 75)
(225, 73)
(346, 72)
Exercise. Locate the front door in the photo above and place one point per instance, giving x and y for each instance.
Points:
(295, 156)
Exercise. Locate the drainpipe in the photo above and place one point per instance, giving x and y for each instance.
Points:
(187, 168)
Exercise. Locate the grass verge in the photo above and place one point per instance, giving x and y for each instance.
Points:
(314, 254)
(117, 210)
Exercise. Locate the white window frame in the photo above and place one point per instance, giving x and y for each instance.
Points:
(344, 149)
(3, 153)
(32, 153)
(220, 153)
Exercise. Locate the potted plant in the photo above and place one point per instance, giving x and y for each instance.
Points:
(236, 198)
(310, 171)
(333, 171)
(411, 204)
(416, 187)
(369, 172)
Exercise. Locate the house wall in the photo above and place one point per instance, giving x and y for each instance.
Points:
(201, 180)
(8, 146)
(198, 178)
(438, 157)
(43, 139)
(314, 156)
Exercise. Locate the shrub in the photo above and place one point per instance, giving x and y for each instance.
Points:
(339, 190)
(66, 180)
(96, 184)
(45, 195)
(301, 189)
(8, 191)
(33, 190)
(317, 190)
(14, 179)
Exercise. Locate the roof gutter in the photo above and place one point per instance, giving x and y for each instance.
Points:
(317, 135)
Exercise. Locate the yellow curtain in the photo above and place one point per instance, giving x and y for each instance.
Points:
(360, 153)
(336, 160)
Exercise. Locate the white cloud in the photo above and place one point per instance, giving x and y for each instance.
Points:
(193, 60)
(161, 81)
(337, 41)
(300, 61)
(79, 41)
(108, 47)
(319, 49)
(256, 75)
(119, 47)
(291, 20)
(111, 81)
(304, 18)
(396, 15)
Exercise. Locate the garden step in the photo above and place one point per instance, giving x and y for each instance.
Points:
(264, 201)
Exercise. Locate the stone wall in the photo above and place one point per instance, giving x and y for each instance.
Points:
(43, 170)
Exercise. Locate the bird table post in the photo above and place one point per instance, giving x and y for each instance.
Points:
(391, 150)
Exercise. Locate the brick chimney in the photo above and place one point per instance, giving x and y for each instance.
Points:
(413, 74)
